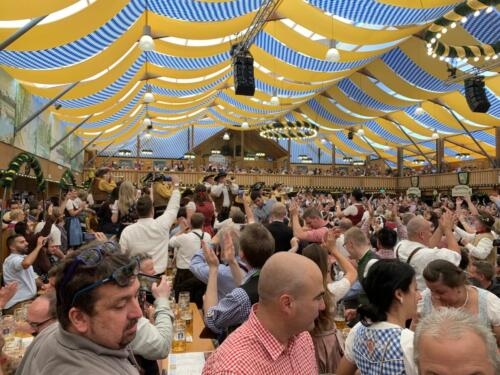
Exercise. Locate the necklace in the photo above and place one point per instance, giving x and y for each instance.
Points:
(466, 299)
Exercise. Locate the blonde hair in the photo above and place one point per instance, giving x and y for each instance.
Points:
(126, 197)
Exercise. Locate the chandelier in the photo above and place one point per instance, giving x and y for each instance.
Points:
(289, 130)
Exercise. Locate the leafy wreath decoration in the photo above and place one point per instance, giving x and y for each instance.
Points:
(289, 130)
(31, 162)
(450, 20)
(67, 180)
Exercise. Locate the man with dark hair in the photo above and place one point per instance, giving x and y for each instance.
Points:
(483, 273)
(355, 210)
(256, 246)
(18, 267)
(316, 226)
(148, 235)
(186, 243)
(97, 310)
(262, 209)
(386, 240)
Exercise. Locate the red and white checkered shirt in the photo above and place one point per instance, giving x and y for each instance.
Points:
(253, 350)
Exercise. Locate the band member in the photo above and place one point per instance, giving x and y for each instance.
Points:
(162, 191)
(223, 192)
(208, 181)
(102, 185)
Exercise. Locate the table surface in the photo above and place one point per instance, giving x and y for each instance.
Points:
(198, 344)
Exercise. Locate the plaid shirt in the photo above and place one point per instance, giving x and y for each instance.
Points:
(253, 350)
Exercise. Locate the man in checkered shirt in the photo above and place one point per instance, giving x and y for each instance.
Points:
(275, 339)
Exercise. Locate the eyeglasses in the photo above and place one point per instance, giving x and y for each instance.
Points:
(36, 325)
(121, 276)
(92, 257)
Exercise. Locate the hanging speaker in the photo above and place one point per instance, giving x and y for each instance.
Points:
(476, 95)
(244, 82)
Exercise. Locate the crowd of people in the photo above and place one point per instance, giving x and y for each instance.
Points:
(297, 283)
(367, 170)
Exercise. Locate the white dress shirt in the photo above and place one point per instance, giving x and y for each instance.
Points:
(150, 236)
(219, 189)
(423, 257)
(186, 245)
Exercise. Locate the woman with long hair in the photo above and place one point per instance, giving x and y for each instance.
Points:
(380, 343)
(205, 206)
(125, 208)
(328, 343)
(447, 287)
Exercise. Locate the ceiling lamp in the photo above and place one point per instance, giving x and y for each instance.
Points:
(226, 136)
(215, 152)
(244, 125)
(249, 158)
(347, 159)
(146, 43)
(308, 160)
(419, 161)
(148, 96)
(289, 130)
(147, 151)
(302, 157)
(419, 111)
(462, 156)
(333, 54)
(147, 121)
(435, 134)
(189, 155)
(124, 152)
(260, 154)
(275, 100)
(358, 162)
(360, 132)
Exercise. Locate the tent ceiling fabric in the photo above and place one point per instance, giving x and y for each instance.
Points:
(383, 74)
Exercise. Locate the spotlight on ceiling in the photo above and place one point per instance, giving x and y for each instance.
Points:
(226, 136)
(435, 134)
(244, 125)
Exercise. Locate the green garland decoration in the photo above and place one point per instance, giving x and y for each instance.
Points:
(67, 180)
(450, 21)
(31, 162)
(289, 130)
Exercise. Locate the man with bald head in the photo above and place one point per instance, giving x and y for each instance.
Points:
(42, 312)
(275, 339)
(421, 246)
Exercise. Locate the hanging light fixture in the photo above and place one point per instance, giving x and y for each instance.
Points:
(215, 152)
(347, 159)
(244, 124)
(435, 134)
(147, 151)
(148, 96)
(419, 111)
(189, 155)
(360, 132)
(260, 154)
(302, 157)
(226, 136)
(146, 42)
(333, 54)
(358, 162)
(274, 99)
(147, 122)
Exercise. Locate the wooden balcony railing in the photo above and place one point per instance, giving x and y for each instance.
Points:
(478, 178)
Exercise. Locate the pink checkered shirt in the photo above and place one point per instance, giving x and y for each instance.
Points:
(252, 350)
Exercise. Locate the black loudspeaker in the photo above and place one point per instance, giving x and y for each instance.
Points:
(476, 95)
(244, 81)
(350, 135)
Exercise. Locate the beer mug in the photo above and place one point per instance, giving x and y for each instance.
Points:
(340, 322)
(187, 318)
(184, 299)
(179, 338)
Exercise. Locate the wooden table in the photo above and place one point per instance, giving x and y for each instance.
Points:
(198, 344)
